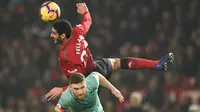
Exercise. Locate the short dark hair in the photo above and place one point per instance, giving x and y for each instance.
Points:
(76, 78)
(63, 26)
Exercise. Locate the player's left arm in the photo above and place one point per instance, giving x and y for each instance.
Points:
(83, 28)
(104, 82)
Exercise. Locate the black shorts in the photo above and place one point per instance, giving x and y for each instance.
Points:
(104, 67)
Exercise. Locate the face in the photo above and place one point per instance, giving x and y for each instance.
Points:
(79, 90)
(58, 39)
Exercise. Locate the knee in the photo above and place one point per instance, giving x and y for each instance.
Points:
(115, 64)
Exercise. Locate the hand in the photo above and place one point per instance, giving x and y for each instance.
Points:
(118, 94)
(54, 93)
(81, 8)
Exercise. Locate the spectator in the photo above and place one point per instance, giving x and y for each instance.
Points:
(135, 103)
(140, 28)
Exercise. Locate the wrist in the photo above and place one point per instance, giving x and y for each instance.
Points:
(85, 12)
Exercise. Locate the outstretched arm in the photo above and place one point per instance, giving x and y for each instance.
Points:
(86, 22)
(104, 82)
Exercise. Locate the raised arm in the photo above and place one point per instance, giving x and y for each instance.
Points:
(86, 22)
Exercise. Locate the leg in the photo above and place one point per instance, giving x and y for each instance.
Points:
(132, 63)
(139, 63)
(116, 63)
(104, 66)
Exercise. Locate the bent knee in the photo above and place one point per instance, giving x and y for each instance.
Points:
(115, 63)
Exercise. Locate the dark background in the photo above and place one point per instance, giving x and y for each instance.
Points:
(135, 28)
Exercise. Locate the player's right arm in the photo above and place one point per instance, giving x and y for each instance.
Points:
(83, 28)
(58, 109)
(63, 102)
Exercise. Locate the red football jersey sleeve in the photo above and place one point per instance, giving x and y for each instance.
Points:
(83, 28)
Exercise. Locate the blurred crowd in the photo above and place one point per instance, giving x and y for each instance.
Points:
(121, 28)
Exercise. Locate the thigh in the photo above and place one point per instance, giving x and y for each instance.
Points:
(104, 66)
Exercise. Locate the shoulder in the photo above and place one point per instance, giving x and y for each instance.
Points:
(93, 80)
(67, 95)
(66, 99)
(67, 91)
(93, 75)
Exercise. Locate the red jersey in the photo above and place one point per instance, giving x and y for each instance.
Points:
(75, 55)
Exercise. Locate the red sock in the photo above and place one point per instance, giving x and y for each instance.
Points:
(139, 63)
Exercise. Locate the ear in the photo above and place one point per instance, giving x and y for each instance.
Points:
(63, 36)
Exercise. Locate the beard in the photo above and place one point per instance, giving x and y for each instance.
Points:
(58, 41)
(80, 97)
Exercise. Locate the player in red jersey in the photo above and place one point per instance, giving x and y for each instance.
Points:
(75, 55)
